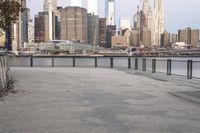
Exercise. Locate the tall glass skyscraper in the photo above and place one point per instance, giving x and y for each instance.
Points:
(110, 11)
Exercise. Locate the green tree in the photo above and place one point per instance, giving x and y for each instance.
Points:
(9, 13)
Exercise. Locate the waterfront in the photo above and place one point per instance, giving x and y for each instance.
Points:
(178, 65)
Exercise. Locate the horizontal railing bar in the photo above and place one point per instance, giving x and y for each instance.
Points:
(143, 64)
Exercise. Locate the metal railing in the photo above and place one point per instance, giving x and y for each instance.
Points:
(185, 68)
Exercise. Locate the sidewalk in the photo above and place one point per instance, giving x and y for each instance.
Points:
(89, 100)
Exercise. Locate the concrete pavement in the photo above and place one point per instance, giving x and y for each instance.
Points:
(89, 100)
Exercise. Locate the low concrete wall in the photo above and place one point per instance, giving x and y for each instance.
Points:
(4, 72)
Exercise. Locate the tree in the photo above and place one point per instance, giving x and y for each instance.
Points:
(9, 13)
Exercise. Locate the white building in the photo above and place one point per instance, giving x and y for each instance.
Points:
(30, 32)
(124, 23)
(110, 11)
(145, 6)
(50, 6)
(158, 21)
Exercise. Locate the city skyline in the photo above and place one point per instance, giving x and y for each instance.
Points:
(174, 18)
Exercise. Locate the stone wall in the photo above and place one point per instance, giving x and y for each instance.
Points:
(4, 72)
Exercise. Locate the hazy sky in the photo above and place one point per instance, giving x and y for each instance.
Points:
(178, 13)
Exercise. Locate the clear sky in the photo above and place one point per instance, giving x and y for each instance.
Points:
(178, 13)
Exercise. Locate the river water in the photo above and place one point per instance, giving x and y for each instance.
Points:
(179, 65)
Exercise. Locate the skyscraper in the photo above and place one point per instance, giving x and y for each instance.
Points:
(19, 30)
(50, 5)
(102, 32)
(110, 11)
(189, 36)
(158, 21)
(145, 9)
(74, 24)
(139, 19)
(43, 30)
(174, 38)
(165, 40)
(146, 37)
(30, 31)
(92, 6)
(25, 17)
(93, 29)
(145, 6)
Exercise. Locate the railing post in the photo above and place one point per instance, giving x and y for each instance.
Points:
(52, 62)
(31, 61)
(111, 62)
(95, 62)
(189, 69)
(74, 62)
(169, 67)
(136, 63)
(153, 65)
(144, 64)
(129, 62)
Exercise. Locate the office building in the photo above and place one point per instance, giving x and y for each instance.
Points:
(44, 31)
(50, 5)
(102, 32)
(74, 24)
(184, 35)
(150, 24)
(145, 9)
(146, 38)
(25, 17)
(30, 31)
(110, 11)
(189, 36)
(19, 28)
(139, 18)
(58, 23)
(93, 29)
(120, 41)
(165, 40)
(135, 38)
(194, 37)
(111, 31)
(174, 38)
(158, 22)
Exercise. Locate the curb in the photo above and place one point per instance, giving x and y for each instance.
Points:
(184, 96)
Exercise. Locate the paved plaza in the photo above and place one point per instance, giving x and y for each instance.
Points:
(89, 100)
